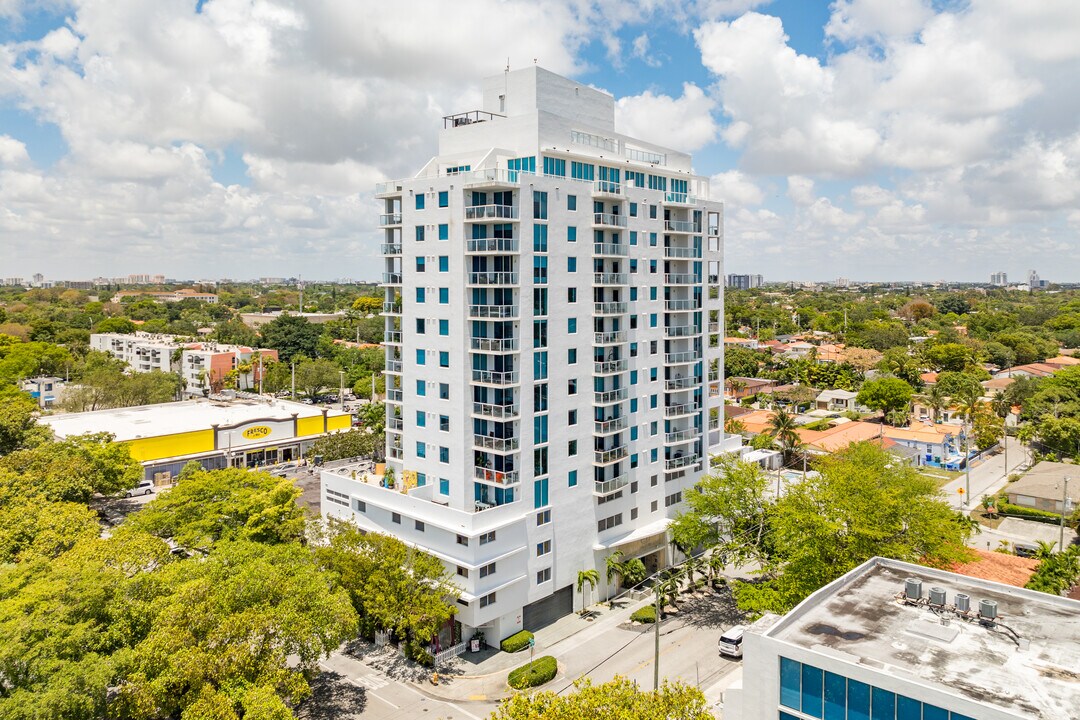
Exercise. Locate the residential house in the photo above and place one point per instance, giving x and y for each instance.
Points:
(1030, 370)
(1043, 487)
(840, 401)
(748, 343)
(938, 445)
(742, 387)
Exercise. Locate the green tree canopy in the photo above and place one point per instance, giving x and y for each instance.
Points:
(357, 442)
(114, 325)
(619, 699)
(315, 376)
(18, 421)
(885, 394)
(291, 335)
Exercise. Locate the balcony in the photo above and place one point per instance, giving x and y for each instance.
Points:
(494, 345)
(610, 396)
(680, 358)
(394, 423)
(493, 278)
(677, 253)
(609, 308)
(681, 305)
(492, 245)
(606, 457)
(682, 279)
(393, 366)
(391, 187)
(678, 331)
(682, 227)
(497, 477)
(392, 337)
(606, 487)
(495, 312)
(391, 278)
(607, 187)
(391, 308)
(491, 177)
(680, 462)
(675, 198)
(608, 427)
(480, 213)
(610, 250)
(389, 219)
(682, 383)
(609, 367)
(609, 220)
(394, 453)
(491, 377)
(494, 444)
(611, 279)
(496, 412)
(393, 395)
(671, 411)
(681, 436)
(391, 249)
(609, 338)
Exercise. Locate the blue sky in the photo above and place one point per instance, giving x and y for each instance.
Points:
(880, 139)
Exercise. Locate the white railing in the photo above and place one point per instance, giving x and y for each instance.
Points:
(681, 305)
(680, 462)
(493, 278)
(494, 344)
(605, 487)
(611, 396)
(495, 444)
(390, 186)
(610, 250)
(444, 656)
(393, 366)
(493, 311)
(681, 226)
(499, 477)
(681, 383)
(610, 426)
(391, 336)
(391, 278)
(680, 436)
(609, 219)
(391, 249)
(391, 308)
(491, 377)
(607, 187)
(681, 331)
(679, 358)
(603, 457)
(608, 367)
(682, 279)
(609, 338)
(611, 279)
(492, 245)
(609, 308)
(393, 395)
(680, 198)
(684, 409)
(681, 252)
(491, 212)
(499, 412)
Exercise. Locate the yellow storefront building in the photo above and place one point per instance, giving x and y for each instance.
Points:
(236, 432)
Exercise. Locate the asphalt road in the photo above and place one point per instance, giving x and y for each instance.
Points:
(987, 477)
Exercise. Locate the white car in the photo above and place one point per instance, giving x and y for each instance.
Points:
(143, 488)
(730, 643)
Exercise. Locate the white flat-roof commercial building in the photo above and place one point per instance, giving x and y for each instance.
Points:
(549, 287)
(218, 432)
(895, 641)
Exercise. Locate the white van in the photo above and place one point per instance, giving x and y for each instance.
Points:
(143, 488)
(730, 643)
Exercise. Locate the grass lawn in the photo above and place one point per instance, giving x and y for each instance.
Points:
(941, 476)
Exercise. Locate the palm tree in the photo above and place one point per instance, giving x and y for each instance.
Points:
(1001, 404)
(590, 577)
(668, 589)
(967, 522)
(633, 572)
(1044, 550)
(735, 385)
(716, 564)
(734, 426)
(693, 565)
(782, 430)
(615, 567)
(935, 399)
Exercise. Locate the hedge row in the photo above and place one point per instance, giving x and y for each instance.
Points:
(538, 672)
(517, 641)
(1004, 508)
(646, 614)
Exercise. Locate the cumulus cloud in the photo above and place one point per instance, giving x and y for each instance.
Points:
(734, 188)
(684, 123)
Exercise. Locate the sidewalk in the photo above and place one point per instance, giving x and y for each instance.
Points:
(482, 676)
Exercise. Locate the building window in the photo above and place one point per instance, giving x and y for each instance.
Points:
(444, 327)
(421, 449)
(419, 525)
(359, 506)
(571, 234)
(571, 479)
(462, 572)
(652, 212)
(419, 233)
(421, 419)
(421, 356)
(421, 388)
(444, 296)
(444, 263)
(421, 326)
(420, 201)
(539, 205)
(571, 202)
(420, 264)
(420, 294)
(540, 493)
(444, 198)
(462, 540)
(571, 295)
(673, 499)
(571, 417)
(395, 518)
(633, 206)
(444, 359)
(488, 569)
(633, 513)
(488, 537)
(571, 387)
(421, 479)
(633, 487)
(543, 517)
(444, 487)
(488, 599)
(609, 522)
(571, 264)
(543, 576)
(540, 238)
(654, 481)
(444, 455)
(652, 506)
(571, 448)
(571, 325)
(444, 231)
(543, 548)
(444, 391)
(444, 423)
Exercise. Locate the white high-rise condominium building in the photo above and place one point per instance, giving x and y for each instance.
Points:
(744, 282)
(550, 286)
(999, 279)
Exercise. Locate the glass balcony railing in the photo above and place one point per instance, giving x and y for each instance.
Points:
(679, 410)
(682, 279)
(391, 249)
(680, 462)
(498, 477)
(681, 226)
(607, 187)
(609, 338)
(681, 252)
(494, 345)
(393, 366)
(491, 377)
(393, 395)
(388, 219)
(609, 367)
(609, 308)
(606, 487)
(681, 436)
(611, 279)
(610, 396)
(497, 412)
(491, 212)
(493, 278)
(609, 220)
(604, 457)
(391, 278)
(492, 245)
(681, 305)
(495, 444)
(680, 358)
(610, 250)
(607, 427)
(493, 311)
(392, 337)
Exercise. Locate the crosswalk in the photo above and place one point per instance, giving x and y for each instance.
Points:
(370, 682)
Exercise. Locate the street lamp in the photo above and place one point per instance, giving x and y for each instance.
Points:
(341, 391)
(1064, 509)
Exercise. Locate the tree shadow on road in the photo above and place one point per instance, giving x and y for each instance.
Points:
(333, 697)
(391, 662)
(709, 608)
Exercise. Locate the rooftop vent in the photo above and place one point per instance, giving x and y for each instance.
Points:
(963, 603)
(913, 589)
(987, 610)
(937, 596)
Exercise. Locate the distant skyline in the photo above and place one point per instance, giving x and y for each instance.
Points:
(890, 139)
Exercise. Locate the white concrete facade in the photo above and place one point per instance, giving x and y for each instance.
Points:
(142, 352)
(550, 286)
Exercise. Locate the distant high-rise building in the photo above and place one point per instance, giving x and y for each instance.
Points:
(1035, 282)
(999, 279)
(38, 279)
(549, 282)
(744, 282)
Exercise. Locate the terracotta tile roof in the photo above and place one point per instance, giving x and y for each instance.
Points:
(998, 567)
(1062, 361)
(840, 436)
(929, 377)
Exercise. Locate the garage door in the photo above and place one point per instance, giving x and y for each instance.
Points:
(544, 612)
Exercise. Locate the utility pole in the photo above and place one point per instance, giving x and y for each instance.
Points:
(1061, 522)
(341, 390)
(260, 372)
(656, 638)
(967, 460)
(294, 380)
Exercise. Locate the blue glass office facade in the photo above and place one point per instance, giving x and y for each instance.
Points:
(817, 693)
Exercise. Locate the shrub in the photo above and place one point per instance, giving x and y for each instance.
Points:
(645, 614)
(418, 653)
(1057, 573)
(1004, 508)
(517, 641)
(538, 672)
